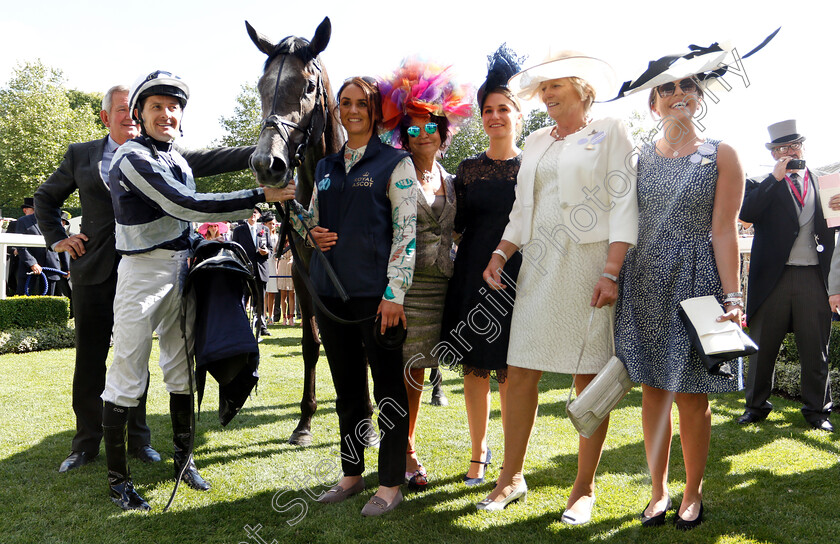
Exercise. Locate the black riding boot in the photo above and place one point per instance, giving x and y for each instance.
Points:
(119, 478)
(180, 409)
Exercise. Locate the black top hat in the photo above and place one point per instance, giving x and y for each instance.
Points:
(28, 202)
(783, 132)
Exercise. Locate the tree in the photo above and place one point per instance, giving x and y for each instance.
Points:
(243, 128)
(469, 141)
(80, 99)
(535, 120)
(37, 123)
(641, 127)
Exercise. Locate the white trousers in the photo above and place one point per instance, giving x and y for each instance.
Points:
(148, 299)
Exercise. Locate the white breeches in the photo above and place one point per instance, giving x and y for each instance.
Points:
(148, 299)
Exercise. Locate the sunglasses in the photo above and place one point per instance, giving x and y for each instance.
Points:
(688, 86)
(784, 148)
(414, 130)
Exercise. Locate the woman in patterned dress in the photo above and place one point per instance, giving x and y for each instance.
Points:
(425, 107)
(576, 210)
(690, 189)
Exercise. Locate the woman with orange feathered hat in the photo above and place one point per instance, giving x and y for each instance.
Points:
(422, 107)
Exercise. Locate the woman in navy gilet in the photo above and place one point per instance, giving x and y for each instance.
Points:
(363, 214)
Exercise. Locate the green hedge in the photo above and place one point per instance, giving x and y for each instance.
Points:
(26, 340)
(791, 354)
(787, 379)
(34, 312)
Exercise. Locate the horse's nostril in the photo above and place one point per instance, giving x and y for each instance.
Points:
(278, 165)
(261, 162)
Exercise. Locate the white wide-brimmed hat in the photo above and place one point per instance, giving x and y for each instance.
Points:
(596, 72)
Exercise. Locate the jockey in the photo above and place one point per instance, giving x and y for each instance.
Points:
(155, 199)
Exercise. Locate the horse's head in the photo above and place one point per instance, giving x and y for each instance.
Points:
(295, 95)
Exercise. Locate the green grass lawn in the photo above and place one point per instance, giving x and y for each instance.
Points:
(776, 482)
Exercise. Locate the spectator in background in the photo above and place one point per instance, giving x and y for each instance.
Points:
(31, 260)
(285, 285)
(253, 236)
(270, 223)
(213, 231)
(790, 259)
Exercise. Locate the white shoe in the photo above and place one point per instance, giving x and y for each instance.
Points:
(521, 492)
(571, 518)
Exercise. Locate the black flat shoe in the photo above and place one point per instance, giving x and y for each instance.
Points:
(658, 519)
(684, 525)
(750, 417)
(146, 453)
(76, 459)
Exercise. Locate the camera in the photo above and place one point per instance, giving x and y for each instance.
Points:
(795, 164)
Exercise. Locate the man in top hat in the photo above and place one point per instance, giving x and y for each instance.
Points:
(789, 267)
(31, 260)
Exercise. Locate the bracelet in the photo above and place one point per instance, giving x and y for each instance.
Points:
(610, 277)
(736, 303)
(501, 254)
(737, 294)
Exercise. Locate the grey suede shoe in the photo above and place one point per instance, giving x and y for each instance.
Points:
(338, 493)
(377, 506)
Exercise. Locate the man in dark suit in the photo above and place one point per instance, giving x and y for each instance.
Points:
(254, 238)
(31, 260)
(94, 266)
(789, 267)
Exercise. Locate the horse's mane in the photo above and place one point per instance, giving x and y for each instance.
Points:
(333, 135)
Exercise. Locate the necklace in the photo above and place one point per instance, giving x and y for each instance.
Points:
(428, 179)
(677, 151)
(556, 135)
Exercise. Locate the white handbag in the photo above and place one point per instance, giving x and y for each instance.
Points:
(604, 392)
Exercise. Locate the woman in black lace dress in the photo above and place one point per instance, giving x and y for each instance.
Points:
(477, 319)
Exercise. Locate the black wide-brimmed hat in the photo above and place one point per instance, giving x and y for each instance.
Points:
(703, 63)
(783, 132)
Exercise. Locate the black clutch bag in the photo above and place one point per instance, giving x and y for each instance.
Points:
(716, 343)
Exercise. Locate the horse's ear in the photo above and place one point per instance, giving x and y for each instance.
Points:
(322, 37)
(262, 43)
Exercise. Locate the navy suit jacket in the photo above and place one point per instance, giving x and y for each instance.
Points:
(28, 256)
(770, 208)
(242, 236)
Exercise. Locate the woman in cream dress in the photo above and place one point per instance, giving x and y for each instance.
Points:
(574, 218)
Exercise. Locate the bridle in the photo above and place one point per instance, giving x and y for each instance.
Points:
(284, 127)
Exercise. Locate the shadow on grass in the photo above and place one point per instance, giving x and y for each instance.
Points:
(775, 482)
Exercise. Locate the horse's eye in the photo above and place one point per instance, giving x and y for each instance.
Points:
(310, 86)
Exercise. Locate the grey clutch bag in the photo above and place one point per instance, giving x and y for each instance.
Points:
(604, 392)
